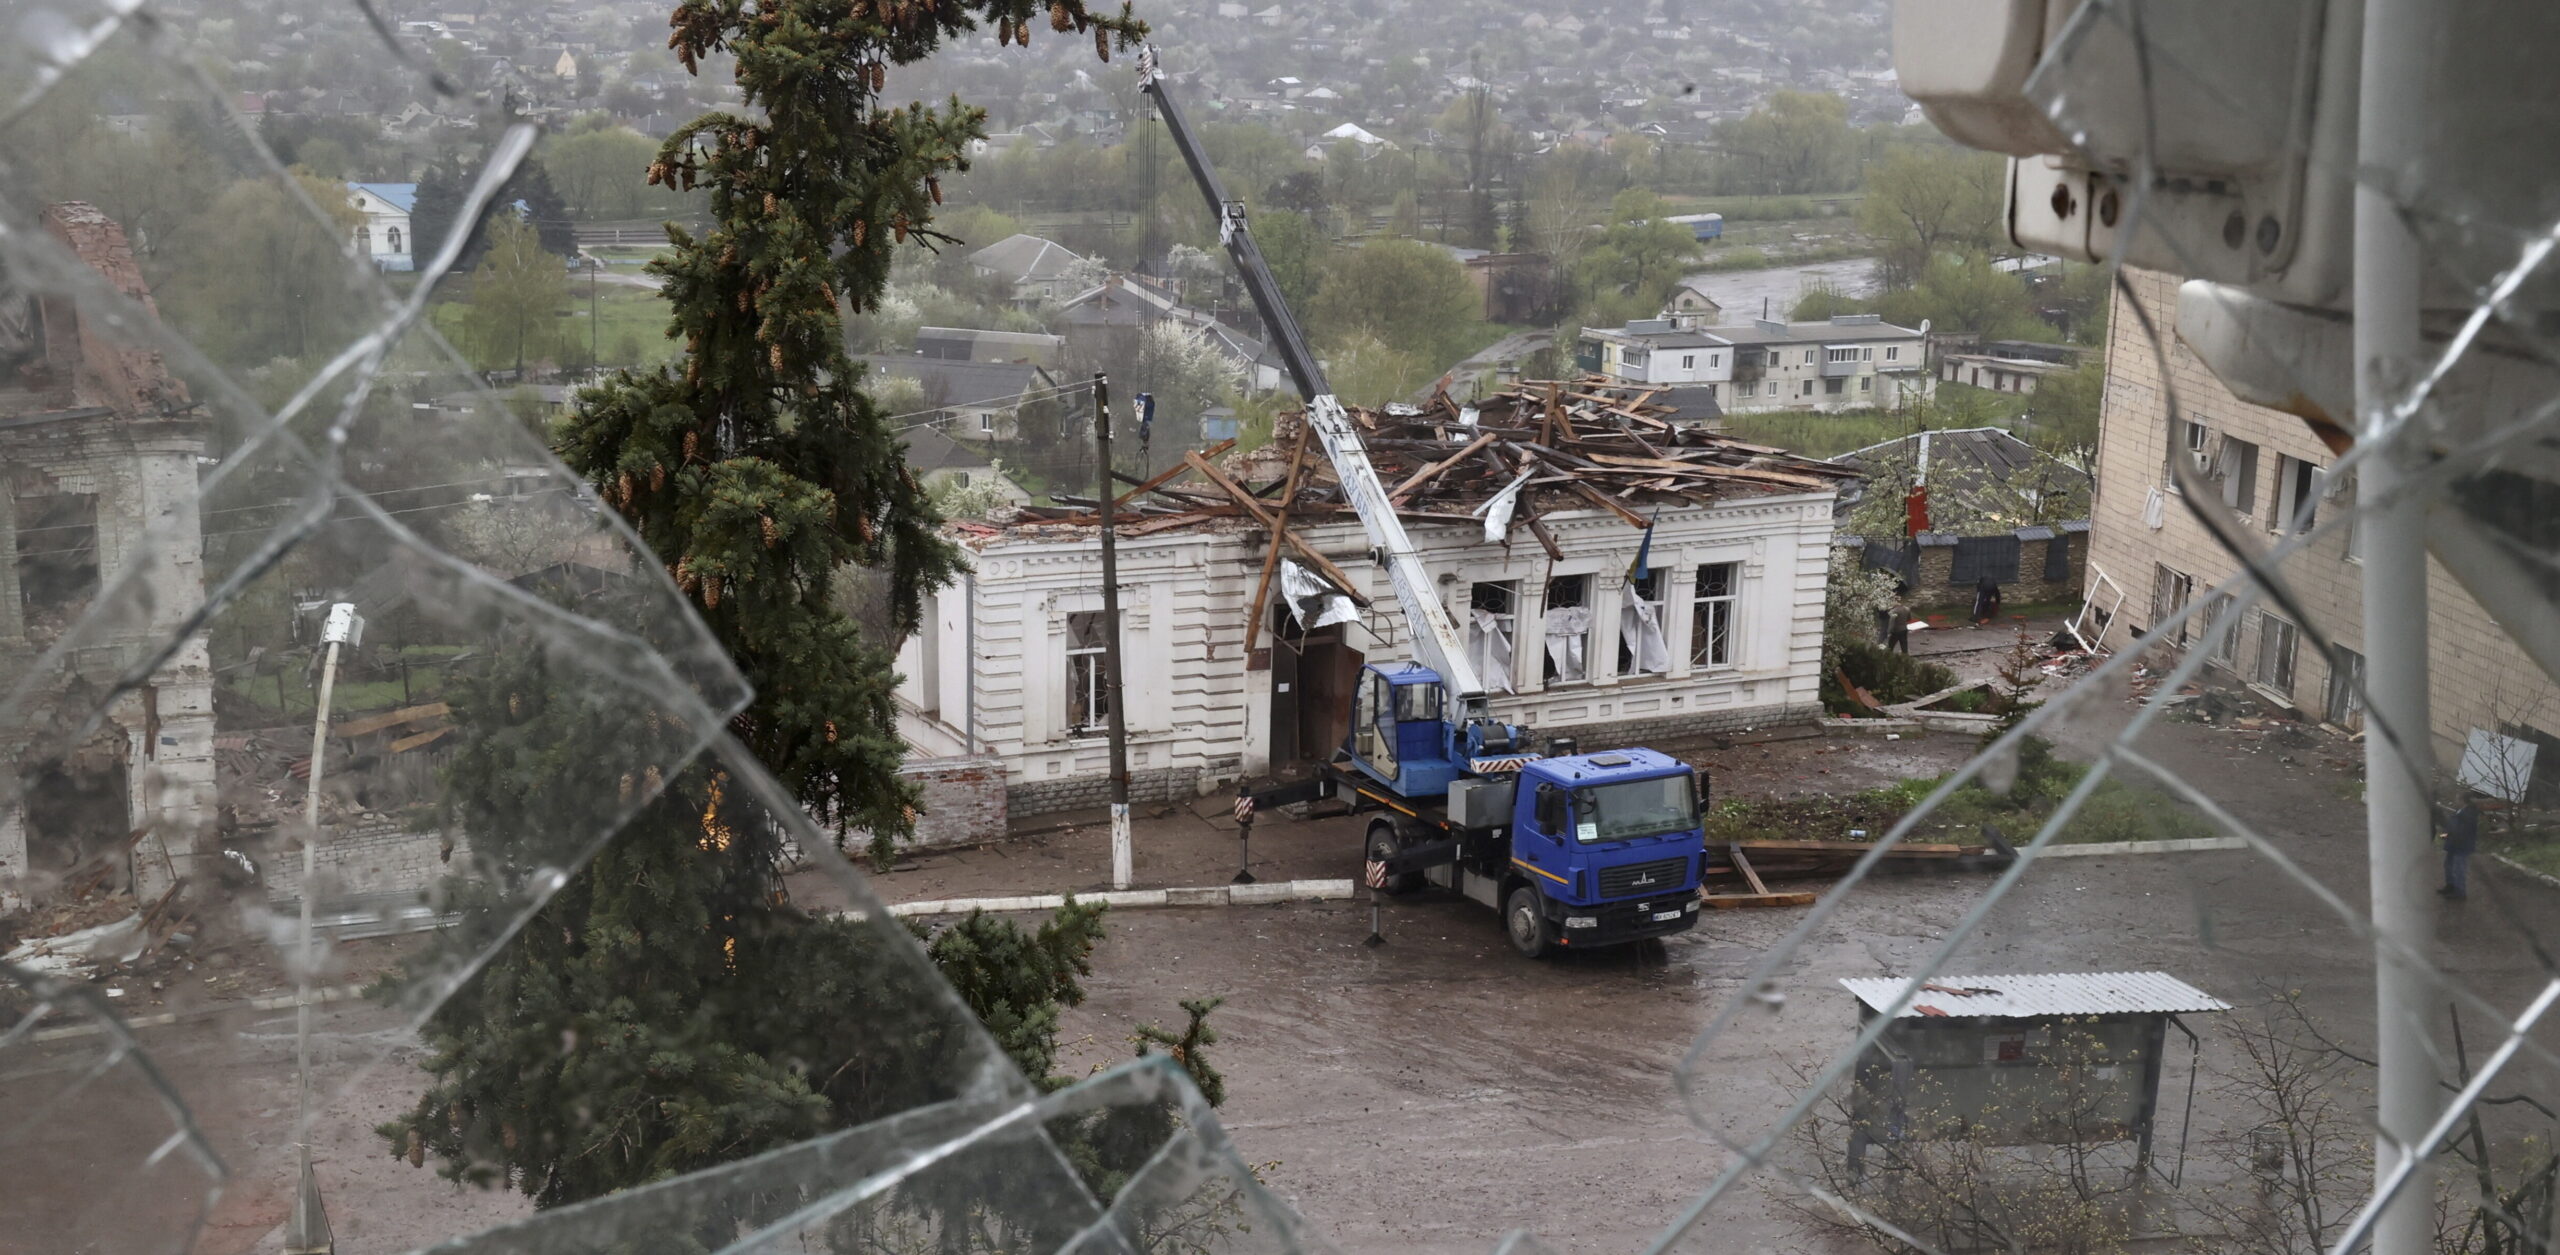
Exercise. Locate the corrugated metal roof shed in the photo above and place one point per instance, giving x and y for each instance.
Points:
(2037, 995)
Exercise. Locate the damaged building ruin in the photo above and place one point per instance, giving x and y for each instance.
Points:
(100, 445)
(1531, 509)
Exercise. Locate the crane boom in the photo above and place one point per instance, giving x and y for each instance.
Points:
(1435, 636)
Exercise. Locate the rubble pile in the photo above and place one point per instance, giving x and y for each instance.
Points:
(1503, 461)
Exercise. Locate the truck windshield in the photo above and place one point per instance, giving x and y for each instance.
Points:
(1634, 808)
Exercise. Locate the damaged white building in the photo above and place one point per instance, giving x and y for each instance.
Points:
(99, 445)
(1720, 629)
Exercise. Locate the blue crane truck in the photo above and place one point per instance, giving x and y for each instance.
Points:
(1575, 850)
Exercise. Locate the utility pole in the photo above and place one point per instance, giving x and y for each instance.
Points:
(2399, 749)
(1120, 854)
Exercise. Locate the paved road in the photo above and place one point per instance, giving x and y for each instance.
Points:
(1431, 1094)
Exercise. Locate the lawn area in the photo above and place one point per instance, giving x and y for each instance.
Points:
(630, 329)
(1830, 435)
(2119, 810)
(2537, 848)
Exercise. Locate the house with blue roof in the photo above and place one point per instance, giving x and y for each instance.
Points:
(384, 235)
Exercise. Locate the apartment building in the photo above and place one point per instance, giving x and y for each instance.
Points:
(1847, 362)
(2152, 556)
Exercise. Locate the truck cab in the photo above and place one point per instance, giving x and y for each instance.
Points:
(1605, 847)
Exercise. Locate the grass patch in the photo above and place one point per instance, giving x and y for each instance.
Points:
(1890, 676)
(1817, 435)
(2118, 810)
(630, 330)
(2536, 847)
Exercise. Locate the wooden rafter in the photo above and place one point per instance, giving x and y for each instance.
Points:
(1271, 555)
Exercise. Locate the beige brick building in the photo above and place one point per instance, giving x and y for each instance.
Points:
(2264, 462)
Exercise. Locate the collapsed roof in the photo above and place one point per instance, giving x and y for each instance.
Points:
(1543, 447)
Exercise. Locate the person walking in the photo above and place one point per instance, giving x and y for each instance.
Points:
(2461, 841)
(1986, 600)
(1897, 636)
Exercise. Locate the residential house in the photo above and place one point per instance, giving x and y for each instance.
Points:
(2152, 556)
(99, 452)
(1850, 361)
(970, 344)
(1970, 503)
(1102, 322)
(937, 459)
(384, 235)
(1363, 142)
(1689, 300)
(1039, 270)
(976, 399)
(1974, 471)
(2008, 365)
(1724, 633)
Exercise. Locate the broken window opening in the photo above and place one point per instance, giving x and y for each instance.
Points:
(1490, 616)
(2170, 592)
(1711, 615)
(2277, 641)
(2297, 493)
(78, 816)
(1568, 626)
(1088, 699)
(2224, 649)
(2237, 467)
(1642, 649)
(57, 557)
(2346, 688)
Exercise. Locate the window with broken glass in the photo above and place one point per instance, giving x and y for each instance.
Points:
(2346, 688)
(2170, 591)
(1641, 647)
(2277, 641)
(1088, 699)
(1568, 625)
(1490, 613)
(1711, 614)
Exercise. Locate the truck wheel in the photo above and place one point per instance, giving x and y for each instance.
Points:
(1383, 846)
(1524, 917)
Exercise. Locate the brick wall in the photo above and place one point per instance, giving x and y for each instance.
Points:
(1935, 591)
(959, 801)
(2478, 676)
(1163, 784)
(376, 856)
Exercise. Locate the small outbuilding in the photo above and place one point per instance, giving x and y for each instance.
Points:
(2020, 1060)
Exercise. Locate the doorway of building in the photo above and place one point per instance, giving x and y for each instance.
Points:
(1314, 676)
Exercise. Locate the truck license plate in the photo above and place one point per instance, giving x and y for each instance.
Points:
(1662, 916)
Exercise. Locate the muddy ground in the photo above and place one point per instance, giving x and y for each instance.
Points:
(1430, 1094)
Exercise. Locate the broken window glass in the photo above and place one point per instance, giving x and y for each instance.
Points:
(1568, 623)
(1489, 631)
(1711, 614)
(1088, 697)
(1642, 649)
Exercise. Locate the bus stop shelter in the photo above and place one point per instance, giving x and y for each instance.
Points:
(2021, 1060)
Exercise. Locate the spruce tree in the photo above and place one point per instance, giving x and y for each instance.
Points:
(668, 1009)
(544, 208)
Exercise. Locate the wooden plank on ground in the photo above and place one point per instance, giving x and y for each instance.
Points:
(1742, 862)
(371, 724)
